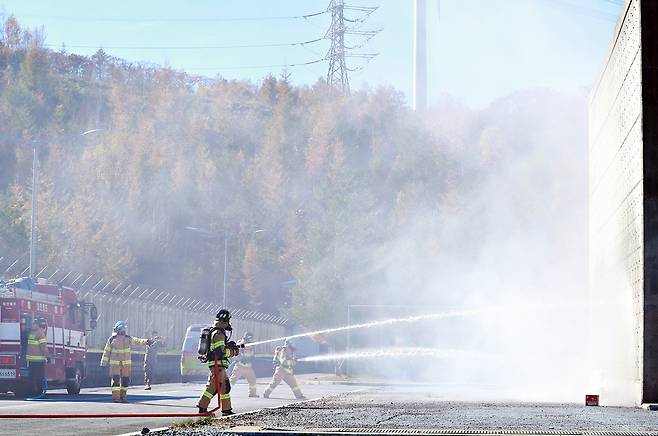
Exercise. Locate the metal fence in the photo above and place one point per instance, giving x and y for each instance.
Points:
(149, 309)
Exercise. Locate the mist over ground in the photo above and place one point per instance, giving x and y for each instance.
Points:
(512, 241)
(324, 200)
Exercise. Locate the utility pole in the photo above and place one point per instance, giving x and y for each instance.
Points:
(339, 50)
(420, 56)
(225, 269)
(33, 217)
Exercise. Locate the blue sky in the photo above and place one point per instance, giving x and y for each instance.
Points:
(479, 50)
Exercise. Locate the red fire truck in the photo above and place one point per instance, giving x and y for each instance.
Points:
(21, 302)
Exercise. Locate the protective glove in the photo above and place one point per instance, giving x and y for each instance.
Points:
(47, 359)
(150, 341)
(203, 359)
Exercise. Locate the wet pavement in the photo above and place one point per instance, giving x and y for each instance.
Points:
(164, 398)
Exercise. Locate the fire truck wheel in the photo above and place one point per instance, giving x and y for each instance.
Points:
(73, 386)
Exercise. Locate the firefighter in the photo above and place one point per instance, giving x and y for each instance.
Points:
(37, 354)
(117, 354)
(284, 362)
(151, 359)
(244, 366)
(216, 355)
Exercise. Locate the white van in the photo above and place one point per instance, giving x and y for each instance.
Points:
(191, 368)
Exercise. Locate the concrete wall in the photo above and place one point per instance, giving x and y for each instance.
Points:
(649, 23)
(168, 370)
(624, 213)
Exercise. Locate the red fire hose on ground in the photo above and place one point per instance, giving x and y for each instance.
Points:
(127, 415)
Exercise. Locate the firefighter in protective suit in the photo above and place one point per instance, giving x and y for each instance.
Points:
(284, 362)
(117, 354)
(216, 356)
(37, 354)
(244, 367)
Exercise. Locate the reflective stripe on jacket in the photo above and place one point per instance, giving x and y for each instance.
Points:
(37, 346)
(118, 349)
(218, 348)
(284, 360)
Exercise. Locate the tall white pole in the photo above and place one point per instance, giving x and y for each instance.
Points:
(225, 269)
(420, 56)
(33, 218)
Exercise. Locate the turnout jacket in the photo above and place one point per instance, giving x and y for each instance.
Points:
(218, 348)
(118, 349)
(284, 358)
(247, 357)
(37, 346)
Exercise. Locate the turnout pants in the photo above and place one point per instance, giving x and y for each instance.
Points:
(247, 372)
(281, 374)
(211, 389)
(120, 381)
(148, 374)
(36, 375)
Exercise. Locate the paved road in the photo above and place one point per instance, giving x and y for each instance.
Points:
(175, 398)
(398, 408)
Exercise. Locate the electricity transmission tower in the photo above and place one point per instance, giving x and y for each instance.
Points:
(339, 50)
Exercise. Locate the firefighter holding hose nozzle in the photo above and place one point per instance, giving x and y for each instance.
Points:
(37, 355)
(244, 368)
(117, 354)
(284, 361)
(215, 348)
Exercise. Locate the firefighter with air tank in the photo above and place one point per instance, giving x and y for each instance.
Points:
(37, 355)
(284, 362)
(244, 367)
(215, 348)
(117, 354)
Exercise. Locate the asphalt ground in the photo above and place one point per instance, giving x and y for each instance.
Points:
(173, 398)
(385, 409)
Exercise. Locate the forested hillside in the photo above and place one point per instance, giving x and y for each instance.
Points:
(324, 199)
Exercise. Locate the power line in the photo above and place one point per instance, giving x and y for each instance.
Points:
(172, 20)
(245, 67)
(205, 47)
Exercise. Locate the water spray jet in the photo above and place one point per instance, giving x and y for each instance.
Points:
(432, 316)
(441, 353)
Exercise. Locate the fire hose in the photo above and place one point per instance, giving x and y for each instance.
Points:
(127, 415)
(44, 389)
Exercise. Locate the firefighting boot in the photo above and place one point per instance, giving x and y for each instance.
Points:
(203, 410)
(254, 395)
(228, 412)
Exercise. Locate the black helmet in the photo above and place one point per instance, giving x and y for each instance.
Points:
(41, 322)
(223, 315)
(248, 337)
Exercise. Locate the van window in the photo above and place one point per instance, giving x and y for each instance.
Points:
(191, 343)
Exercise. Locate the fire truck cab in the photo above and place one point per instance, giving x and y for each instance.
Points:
(21, 302)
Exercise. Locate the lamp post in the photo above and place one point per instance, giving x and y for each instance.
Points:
(33, 214)
(211, 235)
